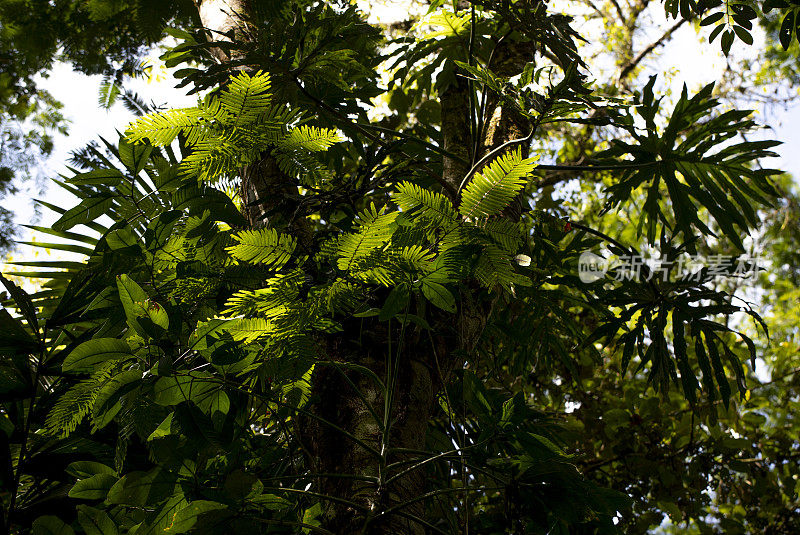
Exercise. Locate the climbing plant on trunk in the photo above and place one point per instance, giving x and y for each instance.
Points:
(288, 324)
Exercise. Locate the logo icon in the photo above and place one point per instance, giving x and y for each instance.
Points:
(591, 267)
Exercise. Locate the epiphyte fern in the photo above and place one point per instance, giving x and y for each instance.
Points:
(280, 293)
(248, 330)
(163, 127)
(233, 128)
(374, 232)
(309, 138)
(229, 129)
(506, 233)
(489, 192)
(494, 268)
(246, 98)
(434, 207)
(263, 246)
(294, 153)
(243, 102)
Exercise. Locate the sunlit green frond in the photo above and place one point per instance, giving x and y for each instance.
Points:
(416, 257)
(338, 296)
(259, 301)
(248, 330)
(246, 98)
(263, 246)
(304, 166)
(215, 157)
(376, 267)
(163, 127)
(495, 268)
(433, 206)
(374, 232)
(506, 233)
(444, 24)
(310, 138)
(280, 293)
(489, 192)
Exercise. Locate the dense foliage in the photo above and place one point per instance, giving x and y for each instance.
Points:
(298, 313)
(95, 37)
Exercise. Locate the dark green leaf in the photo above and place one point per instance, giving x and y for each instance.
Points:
(439, 295)
(140, 489)
(50, 525)
(96, 522)
(743, 34)
(711, 19)
(93, 488)
(395, 302)
(89, 354)
(787, 27)
(86, 212)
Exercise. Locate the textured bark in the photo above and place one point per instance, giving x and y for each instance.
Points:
(339, 410)
(341, 429)
(220, 17)
(341, 407)
(454, 102)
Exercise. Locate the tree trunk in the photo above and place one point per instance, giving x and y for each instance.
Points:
(343, 436)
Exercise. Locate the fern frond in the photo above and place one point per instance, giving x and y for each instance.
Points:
(434, 207)
(376, 230)
(109, 91)
(494, 268)
(263, 246)
(415, 258)
(303, 166)
(163, 127)
(339, 296)
(280, 293)
(377, 268)
(488, 193)
(310, 138)
(506, 233)
(259, 301)
(245, 99)
(248, 330)
(71, 408)
(217, 156)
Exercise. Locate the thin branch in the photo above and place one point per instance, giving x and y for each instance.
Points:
(491, 154)
(627, 69)
(596, 168)
(618, 10)
(777, 379)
